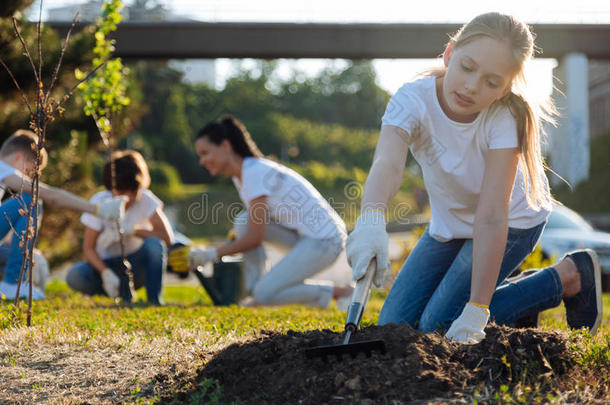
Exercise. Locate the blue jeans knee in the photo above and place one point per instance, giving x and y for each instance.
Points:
(152, 258)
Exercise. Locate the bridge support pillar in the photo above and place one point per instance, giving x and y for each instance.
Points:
(569, 141)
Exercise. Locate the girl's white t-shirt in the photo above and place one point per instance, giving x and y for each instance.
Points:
(5, 171)
(452, 157)
(138, 214)
(292, 201)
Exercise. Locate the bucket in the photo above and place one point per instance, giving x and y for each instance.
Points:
(225, 285)
(229, 280)
(224, 281)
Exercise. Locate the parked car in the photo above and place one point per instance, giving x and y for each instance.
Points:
(566, 230)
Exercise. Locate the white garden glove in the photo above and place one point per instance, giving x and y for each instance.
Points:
(201, 257)
(110, 235)
(369, 240)
(111, 283)
(187, 258)
(111, 209)
(468, 327)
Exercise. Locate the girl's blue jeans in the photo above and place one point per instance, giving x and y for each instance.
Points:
(433, 285)
(147, 265)
(11, 218)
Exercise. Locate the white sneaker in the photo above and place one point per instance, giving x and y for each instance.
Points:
(248, 302)
(9, 291)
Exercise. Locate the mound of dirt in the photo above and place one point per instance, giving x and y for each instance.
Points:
(272, 368)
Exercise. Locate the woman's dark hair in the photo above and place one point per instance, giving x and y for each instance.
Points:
(131, 171)
(233, 130)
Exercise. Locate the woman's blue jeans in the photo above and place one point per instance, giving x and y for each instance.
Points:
(11, 218)
(433, 285)
(147, 263)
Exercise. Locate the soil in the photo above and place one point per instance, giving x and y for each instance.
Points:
(273, 369)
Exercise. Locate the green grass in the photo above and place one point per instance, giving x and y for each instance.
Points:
(187, 307)
(190, 307)
(171, 335)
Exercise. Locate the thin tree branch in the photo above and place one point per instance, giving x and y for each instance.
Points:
(69, 92)
(105, 136)
(61, 57)
(9, 223)
(33, 232)
(21, 92)
(40, 42)
(25, 261)
(25, 49)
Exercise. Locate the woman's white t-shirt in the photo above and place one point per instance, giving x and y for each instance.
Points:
(138, 214)
(452, 157)
(292, 201)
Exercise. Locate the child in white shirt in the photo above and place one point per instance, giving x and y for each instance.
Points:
(146, 235)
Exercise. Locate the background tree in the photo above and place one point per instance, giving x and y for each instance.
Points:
(14, 115)
(105, 93)
(70, 141)
(349, 97)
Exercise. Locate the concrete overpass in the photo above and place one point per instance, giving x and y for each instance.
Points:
(180, 40)
(571, 44)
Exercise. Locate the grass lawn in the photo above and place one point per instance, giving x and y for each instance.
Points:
(83, 349)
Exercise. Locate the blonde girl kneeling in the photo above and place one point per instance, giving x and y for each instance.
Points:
(477, 139)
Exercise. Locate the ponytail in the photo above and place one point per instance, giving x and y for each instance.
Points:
(233, 130)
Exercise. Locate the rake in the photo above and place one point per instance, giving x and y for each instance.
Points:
(354, 314)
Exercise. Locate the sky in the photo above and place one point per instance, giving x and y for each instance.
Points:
(391, 73)
(396, 11)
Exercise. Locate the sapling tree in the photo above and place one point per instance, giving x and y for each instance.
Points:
(105, 96)
(43, 110)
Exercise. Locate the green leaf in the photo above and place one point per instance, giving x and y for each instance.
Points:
(105, 91)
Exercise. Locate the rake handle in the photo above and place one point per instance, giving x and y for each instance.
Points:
(359, 298)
